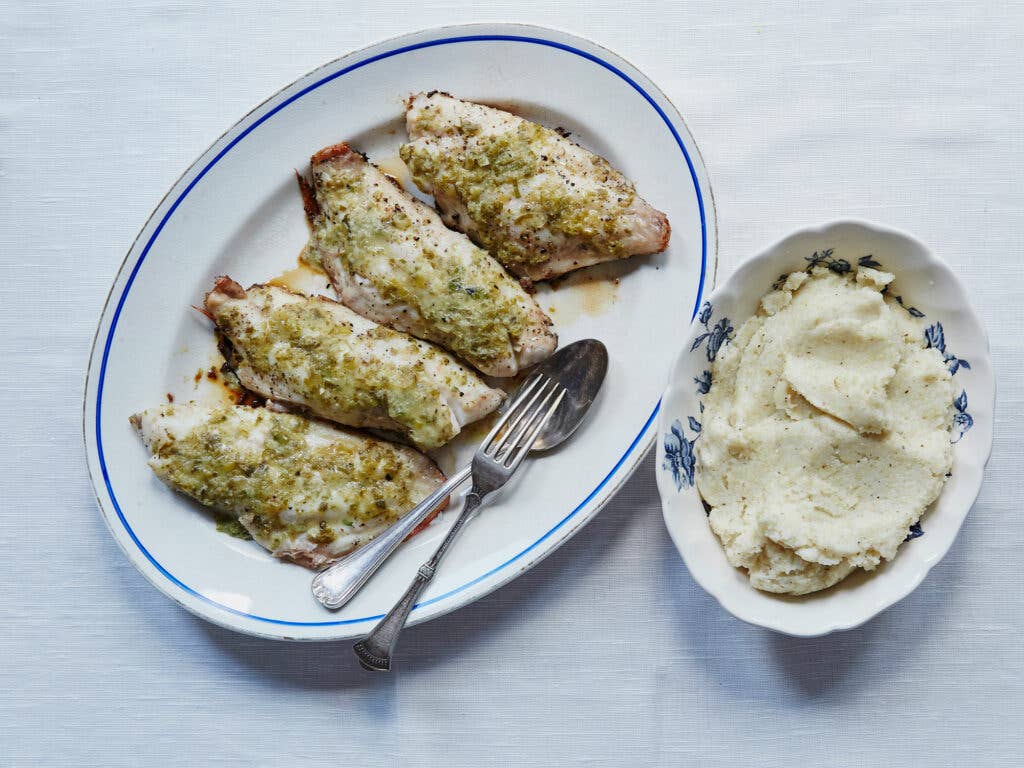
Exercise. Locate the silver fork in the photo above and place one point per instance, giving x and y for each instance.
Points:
(494, 463)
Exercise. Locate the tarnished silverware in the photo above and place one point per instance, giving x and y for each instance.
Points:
(496, 460)
(580, 367)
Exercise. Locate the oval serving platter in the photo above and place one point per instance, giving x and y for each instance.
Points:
(237, 211)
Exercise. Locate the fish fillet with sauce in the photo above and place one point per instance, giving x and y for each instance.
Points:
(391, 259)
(539, 203)
(304, 490)
(315, 353)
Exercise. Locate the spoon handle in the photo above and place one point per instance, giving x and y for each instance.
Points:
(374, 651)
(335, 586)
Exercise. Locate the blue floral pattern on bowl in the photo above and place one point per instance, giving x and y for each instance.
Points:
(715, 337)
(703, 382)
(679, 456)
(962, 420)
(935, 338)
(680, 459)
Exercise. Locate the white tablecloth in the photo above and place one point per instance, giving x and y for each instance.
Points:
(907, 113)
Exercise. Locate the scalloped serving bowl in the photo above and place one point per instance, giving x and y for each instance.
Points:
(929, 289)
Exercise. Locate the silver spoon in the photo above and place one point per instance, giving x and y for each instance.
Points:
(579, 367)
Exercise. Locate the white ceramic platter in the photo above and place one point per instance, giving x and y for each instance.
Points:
(236, 211)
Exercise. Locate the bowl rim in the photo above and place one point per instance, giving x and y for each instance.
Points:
(983, 453)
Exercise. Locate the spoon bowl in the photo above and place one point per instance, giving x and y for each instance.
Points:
(580, 367)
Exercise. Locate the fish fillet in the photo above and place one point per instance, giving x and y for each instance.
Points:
(391, 259)
(541, 204)
(318, 354)
(304, 490)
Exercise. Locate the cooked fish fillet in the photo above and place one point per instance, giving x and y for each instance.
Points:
(306, 491)
(322, 356)
(391, 259)
(539, 203)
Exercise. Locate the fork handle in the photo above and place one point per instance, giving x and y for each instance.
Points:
(374, 651)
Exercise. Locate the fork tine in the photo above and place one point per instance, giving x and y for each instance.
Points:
(517, 452)
(514, 426)
(524, 391)
(513, 460)
(519, 424)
